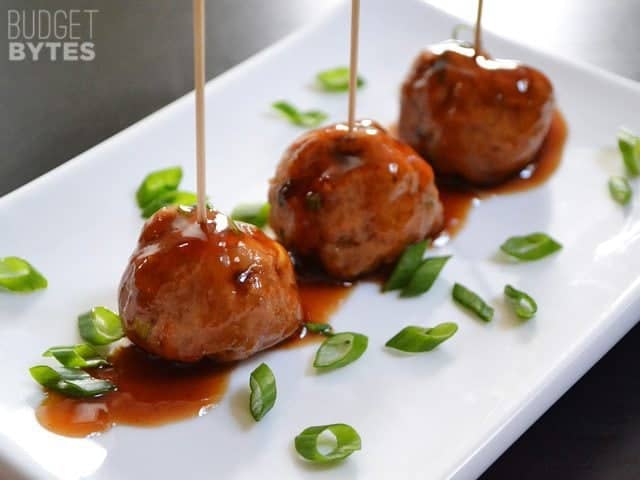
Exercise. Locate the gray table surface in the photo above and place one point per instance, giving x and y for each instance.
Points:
(51, 111)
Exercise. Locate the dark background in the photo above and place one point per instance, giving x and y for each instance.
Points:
(51, 111)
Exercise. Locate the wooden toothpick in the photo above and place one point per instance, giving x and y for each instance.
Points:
(477, 45)
(199, 77)
(353, 64)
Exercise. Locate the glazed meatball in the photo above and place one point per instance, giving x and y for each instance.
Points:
(352, 201)
(222, 290)
(473, 117)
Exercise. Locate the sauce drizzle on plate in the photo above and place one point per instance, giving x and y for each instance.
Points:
(458, 198)
(152, 391)
(319, 301)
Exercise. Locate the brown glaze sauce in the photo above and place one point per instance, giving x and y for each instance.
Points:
(150, 392)
(319, 301)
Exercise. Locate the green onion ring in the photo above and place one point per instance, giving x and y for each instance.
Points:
(524, 306)
(530, 247)
(347, 441)
(100, 326)
(340, 350)
(414, 339)
(262, 383)
(472, 302)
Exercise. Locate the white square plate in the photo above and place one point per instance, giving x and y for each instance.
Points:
(448, 413)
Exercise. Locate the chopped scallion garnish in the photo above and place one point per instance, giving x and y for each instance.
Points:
(169, 198)
(321, 328)
(424, 277)
(458, 29)
(340, 350)
(19, 276)
(263, 391)
(340, 439)
(76, 356)
(629, 145)
(530, 247)
(100, 326)
(337, 80)
(309, 119)
(158, 183)
(71, 382)
(472, 302)
(255, 214)
(406, 266)
(524, 306)
(419, 339)
(313, 201)
(620, 190)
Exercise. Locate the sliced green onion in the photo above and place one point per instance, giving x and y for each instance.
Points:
(629, 145)
(321, 328)
(459, 28)
(256, 214)
(524, 306)
(233, 226)
(343, 441)
(313, 201)
(424, 277)
(471, 301)
(76, 356)
(169, 198)
(530, 247)
(263, 391)
(100, 326)
(187, 209)
(18, 275)
(309, 119)
(406, 267)
(419, 339)
(158, 183)
(340, 350)
(337, 80)
(620, 190)
(71, 382)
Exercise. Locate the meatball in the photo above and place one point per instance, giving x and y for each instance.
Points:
(352, 201)
(473, 117)
(221, 290)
